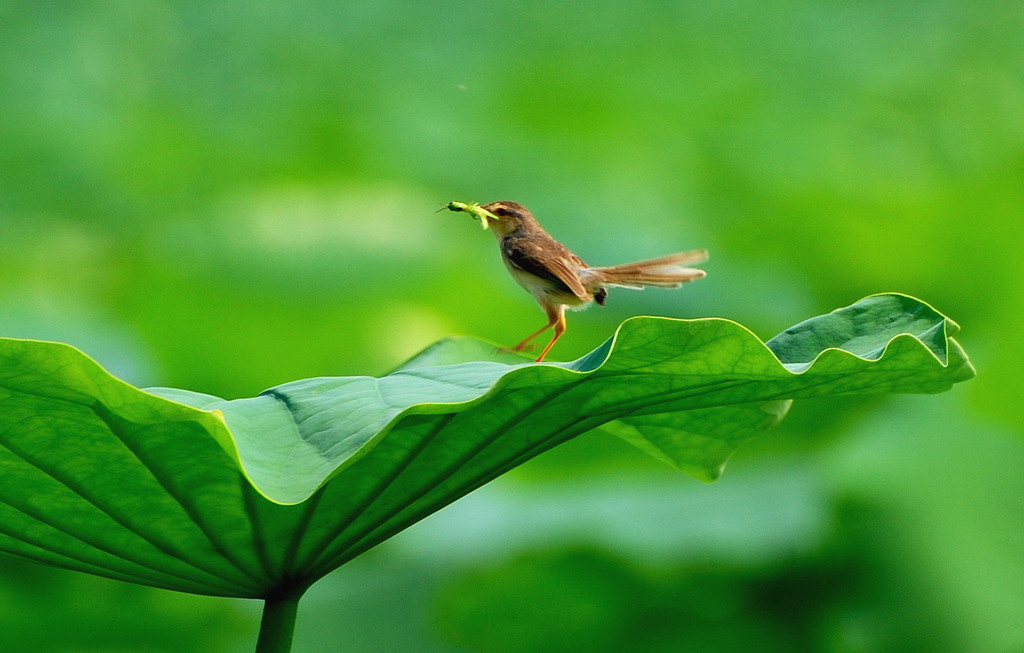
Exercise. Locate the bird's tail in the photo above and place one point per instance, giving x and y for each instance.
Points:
(664, 272)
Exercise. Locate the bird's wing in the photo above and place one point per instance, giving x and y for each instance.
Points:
(561, 268)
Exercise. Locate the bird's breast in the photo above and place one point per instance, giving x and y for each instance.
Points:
(545, 291)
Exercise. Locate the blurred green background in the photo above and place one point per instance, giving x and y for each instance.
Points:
(228, 195)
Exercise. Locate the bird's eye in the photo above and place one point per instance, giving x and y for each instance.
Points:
(502, 211)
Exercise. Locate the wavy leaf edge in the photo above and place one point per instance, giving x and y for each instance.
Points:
(214, 421)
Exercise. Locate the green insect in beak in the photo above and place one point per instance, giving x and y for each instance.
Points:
(475, 210)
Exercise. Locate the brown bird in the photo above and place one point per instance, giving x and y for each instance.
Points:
(556, 277)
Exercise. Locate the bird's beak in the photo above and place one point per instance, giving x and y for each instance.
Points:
(485, 217)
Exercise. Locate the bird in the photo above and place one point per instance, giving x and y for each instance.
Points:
(557, 278)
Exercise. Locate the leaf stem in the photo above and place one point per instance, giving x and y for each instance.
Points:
(278, 623)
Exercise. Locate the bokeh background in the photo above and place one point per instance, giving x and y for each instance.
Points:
(229, 195)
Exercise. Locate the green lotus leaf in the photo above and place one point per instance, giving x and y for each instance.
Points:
(262, 496)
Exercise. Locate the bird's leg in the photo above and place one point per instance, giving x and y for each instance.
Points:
(552, 319)
(559, 330)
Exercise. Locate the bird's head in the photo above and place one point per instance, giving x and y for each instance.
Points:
(503, 217)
